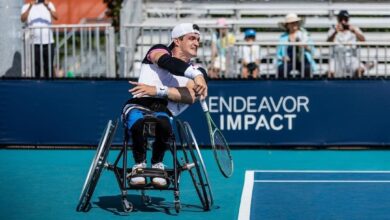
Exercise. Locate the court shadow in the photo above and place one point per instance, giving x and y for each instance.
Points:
(113, 204)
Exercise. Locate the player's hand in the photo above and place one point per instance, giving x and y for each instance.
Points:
(200, 87)
(141, 89)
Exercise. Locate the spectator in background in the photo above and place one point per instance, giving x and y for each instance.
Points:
(39, 13)
(294, 59)
(344, 61)
(250, 56)
(222, 41)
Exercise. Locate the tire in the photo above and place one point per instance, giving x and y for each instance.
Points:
(96, 167)
(198, 171)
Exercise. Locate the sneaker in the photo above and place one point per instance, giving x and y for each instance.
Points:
(158, 181)
(138, 181)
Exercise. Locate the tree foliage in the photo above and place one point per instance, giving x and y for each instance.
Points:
(113, 12)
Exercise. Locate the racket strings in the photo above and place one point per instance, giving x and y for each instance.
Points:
(222, 152)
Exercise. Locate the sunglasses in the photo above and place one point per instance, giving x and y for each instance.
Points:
(343, 19)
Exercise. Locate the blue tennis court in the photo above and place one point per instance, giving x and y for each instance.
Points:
(46, 184)
(304, 194)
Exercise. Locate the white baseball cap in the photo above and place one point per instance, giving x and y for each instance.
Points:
(183, 29)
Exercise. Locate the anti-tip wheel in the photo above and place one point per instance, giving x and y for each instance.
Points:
(127, 206)
(146, 200)
(177, 206)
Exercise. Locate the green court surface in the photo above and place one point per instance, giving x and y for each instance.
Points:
(46, 184)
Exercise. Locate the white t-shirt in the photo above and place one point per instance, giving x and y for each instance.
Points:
(344, 37)
(251, 54)
(40, 16)
(151, 74)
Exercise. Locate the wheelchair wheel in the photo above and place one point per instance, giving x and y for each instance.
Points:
(96, 167)
(197, 156)
(194, 161)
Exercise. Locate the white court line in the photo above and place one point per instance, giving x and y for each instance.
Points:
(322, 181)
(321, 171)
(246, 197)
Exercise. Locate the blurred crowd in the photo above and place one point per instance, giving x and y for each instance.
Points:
(294, 53)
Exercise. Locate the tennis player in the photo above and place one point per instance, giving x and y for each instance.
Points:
(167, 85)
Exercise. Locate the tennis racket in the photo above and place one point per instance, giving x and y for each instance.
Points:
(220, 146)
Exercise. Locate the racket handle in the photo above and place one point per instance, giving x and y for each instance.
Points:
(204, 105)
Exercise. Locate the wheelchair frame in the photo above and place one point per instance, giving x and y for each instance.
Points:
(192, 162)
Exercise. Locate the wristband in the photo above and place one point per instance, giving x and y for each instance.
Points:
(162, 91)
(191, 72)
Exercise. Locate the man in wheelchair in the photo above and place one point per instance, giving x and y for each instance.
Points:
(168, 83)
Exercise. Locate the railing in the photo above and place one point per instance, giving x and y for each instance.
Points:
(77, 51)
(335, 60)
(332, 59)
(89, 51)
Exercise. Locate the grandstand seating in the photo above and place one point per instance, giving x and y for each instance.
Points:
(264, 15)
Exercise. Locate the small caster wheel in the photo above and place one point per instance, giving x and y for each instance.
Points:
(127, 206)
(146, 199)
(177, 206)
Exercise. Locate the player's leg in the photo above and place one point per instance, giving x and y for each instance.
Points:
(253, 70)
(306, 69)
(37, 61)
(46, 58)
(358, 67)
(256, 72)
(135, 126)
(160, 145)
(244, 72)
(332, 68)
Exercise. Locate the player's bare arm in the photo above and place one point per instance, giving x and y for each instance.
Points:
(200, 86)
(176, 94)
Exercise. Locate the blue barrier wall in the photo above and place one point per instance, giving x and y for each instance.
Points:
(68, 112)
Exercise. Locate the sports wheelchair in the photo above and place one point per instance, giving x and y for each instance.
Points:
(190, 161)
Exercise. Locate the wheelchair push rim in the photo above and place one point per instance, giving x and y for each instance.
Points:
(195, 152)
(96, 167)
(191, 156)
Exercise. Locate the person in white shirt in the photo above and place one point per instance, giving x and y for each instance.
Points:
(39, 14)
(168, 84)
(250, 56)
(344, 61)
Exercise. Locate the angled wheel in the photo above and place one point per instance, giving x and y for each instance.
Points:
(195, 164)
(196, 156)
(96, 167)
